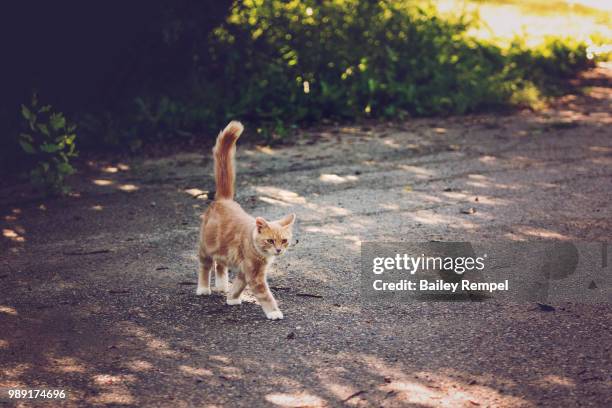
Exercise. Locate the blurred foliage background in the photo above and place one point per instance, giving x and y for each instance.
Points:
(141, 72)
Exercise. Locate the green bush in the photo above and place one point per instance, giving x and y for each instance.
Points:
(49, 140)
(281, 63)
(277, 64)
(548, 65)
(303, 62)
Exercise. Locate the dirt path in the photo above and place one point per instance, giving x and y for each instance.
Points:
(97, 290)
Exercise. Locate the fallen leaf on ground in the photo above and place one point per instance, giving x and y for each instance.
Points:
(93, 252)
(308, 295)
(546, 308)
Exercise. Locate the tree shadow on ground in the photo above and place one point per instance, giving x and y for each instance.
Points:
(97, 294)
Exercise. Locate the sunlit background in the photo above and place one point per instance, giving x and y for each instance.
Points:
(586, 20)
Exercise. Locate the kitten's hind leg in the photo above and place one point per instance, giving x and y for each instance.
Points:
(221, 282)
(206, 264)
(233, 297)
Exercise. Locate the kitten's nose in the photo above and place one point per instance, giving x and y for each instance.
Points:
(278, 250)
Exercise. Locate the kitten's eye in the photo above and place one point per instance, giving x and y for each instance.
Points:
(284, 241)
(270, 241)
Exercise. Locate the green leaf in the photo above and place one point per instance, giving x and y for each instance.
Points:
(57, 121)
(50, 148)
(371, 84)
(26, 137)
(25, 112)
(44, 129)
(65, 168)
(27, 147)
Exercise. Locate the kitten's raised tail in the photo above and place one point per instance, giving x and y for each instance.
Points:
(223, 153)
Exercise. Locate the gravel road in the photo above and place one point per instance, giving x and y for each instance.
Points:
(97, 289)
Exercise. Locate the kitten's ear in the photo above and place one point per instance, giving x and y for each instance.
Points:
(261, 224)
(288, 220)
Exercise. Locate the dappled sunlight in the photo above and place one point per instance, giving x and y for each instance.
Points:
(139, 366)
(336, 179)
(273, 201)
(603, 161)
(389, 206)
(440, 130)
(420, 172)
(340, 388)
(195, 371)
(281, 194)
(428, 198)
(552, 381)
(197, 193)
(526, 233)
(128, 187)
(102, 182)
(456, 195)
(600, 149)
(220, 359)
(488, 159)
(230, 372)
(68, 364)
(480, 199)
(328, 209)
(335, 231)
(8, 310)
(15, 235)
(13, 216)
(536, 19)
(10, 375)
(114, 389)
(392, 143)
(153, 344)
(301, 399)
(492, 201)
(286, 198)
(125, 187)
(431, 218)
(265, 150)
(107, 379)
(487, 183)
(434, 389)
(116, 168)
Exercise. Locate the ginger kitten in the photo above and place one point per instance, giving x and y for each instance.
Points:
(231, 238)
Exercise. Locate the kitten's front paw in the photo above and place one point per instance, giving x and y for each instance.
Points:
(274, 315)
(233, 301)
(203, 291)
